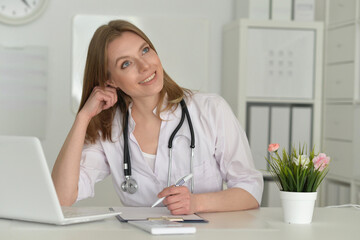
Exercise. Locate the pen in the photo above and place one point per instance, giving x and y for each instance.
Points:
(180, 182)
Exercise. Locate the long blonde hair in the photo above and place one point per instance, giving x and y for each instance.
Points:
(96, 73)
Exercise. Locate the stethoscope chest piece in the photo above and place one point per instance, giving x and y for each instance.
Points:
(129, 185)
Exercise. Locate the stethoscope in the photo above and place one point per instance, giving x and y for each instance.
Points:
(130, 185)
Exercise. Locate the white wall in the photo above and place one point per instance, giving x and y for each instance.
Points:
(53, 30)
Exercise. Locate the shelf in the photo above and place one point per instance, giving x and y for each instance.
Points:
(279, 100)
(341, 24)
(338, 63)
(340, 101)
(266, 175)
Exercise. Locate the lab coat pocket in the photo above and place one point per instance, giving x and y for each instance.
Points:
(207, 177)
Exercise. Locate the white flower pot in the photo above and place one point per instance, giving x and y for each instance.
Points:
(298, 207)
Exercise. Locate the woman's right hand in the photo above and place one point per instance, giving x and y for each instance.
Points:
(100, 99)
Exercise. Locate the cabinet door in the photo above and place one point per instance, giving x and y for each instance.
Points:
(339, 122)
(340, 153)
(340, 81)
(341, 44)
(341, 10)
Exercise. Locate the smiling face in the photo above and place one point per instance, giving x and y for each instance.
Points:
(134, 66)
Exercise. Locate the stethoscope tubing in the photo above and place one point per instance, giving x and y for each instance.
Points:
(130, 185)
(127, 162)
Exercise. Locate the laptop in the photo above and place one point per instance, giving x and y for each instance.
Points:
(26, 188)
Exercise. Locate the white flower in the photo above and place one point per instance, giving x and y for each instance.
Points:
(303, 160)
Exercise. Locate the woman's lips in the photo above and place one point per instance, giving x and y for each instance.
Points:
(148, 79)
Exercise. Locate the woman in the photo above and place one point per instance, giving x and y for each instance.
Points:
(123, 74)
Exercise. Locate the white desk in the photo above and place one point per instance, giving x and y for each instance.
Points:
(328, 223)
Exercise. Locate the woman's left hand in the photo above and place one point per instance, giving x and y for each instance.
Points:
(178, 200)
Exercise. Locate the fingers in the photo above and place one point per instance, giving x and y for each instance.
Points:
(174, 202)
(178, 200)
(168, 191)
(184, 210)
(110, 97)
(101, 98)
(107, 96)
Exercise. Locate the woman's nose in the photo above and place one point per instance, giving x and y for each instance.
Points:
(143, 65)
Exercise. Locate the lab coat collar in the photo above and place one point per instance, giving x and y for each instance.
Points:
(164, 115)
(131, 120)
(171, 114)
(168, 115)
(116, 126)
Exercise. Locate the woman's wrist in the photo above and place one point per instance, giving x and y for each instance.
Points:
(83, 117)
(196, 203)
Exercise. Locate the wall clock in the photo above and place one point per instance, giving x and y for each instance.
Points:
(21, 11)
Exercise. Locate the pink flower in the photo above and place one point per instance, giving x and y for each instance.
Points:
(321, 161)
(273, 147)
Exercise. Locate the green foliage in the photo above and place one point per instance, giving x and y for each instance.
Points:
(295, 172)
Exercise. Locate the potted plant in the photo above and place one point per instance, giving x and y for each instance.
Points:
(298, 176)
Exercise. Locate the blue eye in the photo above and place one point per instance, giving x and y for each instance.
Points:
(125, 64)
(145, 50)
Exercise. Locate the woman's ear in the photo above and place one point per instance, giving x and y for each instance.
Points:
(111, 83)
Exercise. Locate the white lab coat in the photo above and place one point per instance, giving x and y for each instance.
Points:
(222, 153)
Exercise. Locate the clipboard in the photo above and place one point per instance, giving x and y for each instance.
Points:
(157, 213)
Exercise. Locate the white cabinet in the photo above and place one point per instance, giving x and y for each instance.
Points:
(272, 79)
(341, 136)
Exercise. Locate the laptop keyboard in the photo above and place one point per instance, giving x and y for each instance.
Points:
(72, 212)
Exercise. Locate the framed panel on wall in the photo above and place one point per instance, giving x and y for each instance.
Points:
(280, 63)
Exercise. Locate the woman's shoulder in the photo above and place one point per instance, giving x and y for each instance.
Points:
(206, 100)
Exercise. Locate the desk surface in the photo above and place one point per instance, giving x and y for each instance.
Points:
(264, 223)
